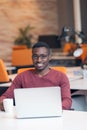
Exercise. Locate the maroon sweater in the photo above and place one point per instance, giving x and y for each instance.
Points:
(29, 79)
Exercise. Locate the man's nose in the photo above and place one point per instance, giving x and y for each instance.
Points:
(39, 58)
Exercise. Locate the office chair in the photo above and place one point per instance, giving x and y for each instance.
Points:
(22, 57)
(59, 68)
(3, 73)
(84, 54)
(69, 47)
(17, 47)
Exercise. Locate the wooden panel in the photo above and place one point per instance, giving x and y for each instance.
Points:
(84, 16)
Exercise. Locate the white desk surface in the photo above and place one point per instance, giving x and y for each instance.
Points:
(80, 84)
(71, 120)
(76, 79)
(74, 73)
(5, 84)
(8, 68)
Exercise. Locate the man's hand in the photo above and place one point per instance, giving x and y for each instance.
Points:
(1, 106)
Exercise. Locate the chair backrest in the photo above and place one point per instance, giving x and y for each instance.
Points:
(19, 47)
(22, 57)
(69, 47)
(3, 73)
(84, 54)
(59, 68)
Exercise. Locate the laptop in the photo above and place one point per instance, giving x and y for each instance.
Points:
(38, 102)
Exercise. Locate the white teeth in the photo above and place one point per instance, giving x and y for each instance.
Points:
(39, 64)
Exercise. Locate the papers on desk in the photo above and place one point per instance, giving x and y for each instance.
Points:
(75, 75)
(75, 78)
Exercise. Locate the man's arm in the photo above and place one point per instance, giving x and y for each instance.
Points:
(66, 104)
(66, 93)
(9, 93)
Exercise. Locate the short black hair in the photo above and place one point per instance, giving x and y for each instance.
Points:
(41, 44)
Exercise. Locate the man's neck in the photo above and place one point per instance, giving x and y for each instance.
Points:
(41, 73)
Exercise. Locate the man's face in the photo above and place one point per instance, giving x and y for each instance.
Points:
(40, 58)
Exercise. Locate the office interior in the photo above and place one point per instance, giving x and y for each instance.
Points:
(47, 19)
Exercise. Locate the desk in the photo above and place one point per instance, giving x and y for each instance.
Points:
(12, 76)
(76, 79)
(10, 69)
(74, 120)
(4, 86)
(71, 120)
(74, 73)
(80, 84)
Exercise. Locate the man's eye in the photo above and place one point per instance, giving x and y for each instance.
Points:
(41, 56)
(34, 56)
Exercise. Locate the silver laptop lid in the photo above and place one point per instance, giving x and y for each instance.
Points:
(38, 102)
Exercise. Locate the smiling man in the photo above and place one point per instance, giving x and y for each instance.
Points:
(41, 76)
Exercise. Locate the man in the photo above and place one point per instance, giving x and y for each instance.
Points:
(41, 76)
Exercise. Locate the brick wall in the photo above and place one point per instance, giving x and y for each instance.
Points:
(15, 14)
